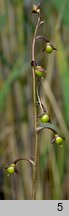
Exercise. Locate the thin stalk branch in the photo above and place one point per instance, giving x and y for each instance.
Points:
(46, 40)
(39, 99)
(35, 167)
(24, 159)
(38, 129)
(21, 159)
(43, 37)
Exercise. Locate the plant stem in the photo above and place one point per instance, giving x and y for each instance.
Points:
(35, 166)
(24, 159)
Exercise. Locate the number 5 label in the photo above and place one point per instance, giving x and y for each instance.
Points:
(60, 206)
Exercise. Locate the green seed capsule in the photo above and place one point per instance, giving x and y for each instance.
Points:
(44, 118)
(49, 48)
(11, 169)
(39, 71)
(58, 139)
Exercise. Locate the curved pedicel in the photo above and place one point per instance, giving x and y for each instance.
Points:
(46, 40)
(45, 127)
(24, 159)
(38, 129)
(44, 117)
(11, 168)
(58, 139)
(43, 108)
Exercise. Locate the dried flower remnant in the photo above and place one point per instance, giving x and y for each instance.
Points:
(36, 9)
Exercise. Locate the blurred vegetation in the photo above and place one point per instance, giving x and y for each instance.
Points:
(17, 25)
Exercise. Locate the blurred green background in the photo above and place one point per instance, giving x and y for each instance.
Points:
(17, 25)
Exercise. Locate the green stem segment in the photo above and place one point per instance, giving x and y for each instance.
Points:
(35, 166)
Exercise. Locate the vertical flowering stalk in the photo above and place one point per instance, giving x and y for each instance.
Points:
(36, 9)
(37, 71)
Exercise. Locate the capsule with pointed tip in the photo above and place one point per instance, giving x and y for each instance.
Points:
(58, 139)
(49, 48)
(45, 118)
(11, 169)
(39, 71)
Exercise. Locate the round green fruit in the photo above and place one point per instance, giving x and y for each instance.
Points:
(59, 140)
(39, 71)
(49, 48)
(44, 118)
(11, 169)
